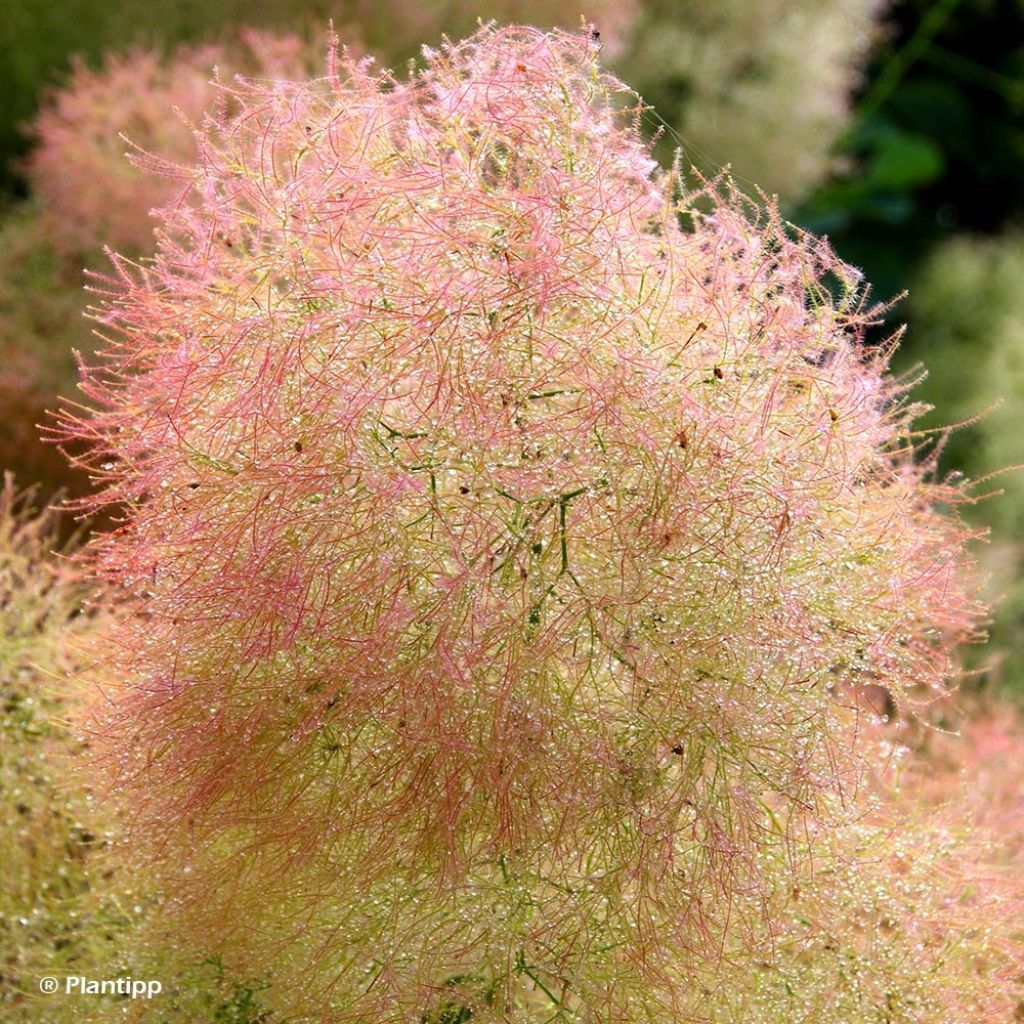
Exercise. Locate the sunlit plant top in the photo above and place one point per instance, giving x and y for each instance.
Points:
(511, 532)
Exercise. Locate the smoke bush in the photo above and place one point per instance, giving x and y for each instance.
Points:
(977, 765)
(738, 82)
(912, 912)
(68, 905)
(502, 522)
(395, 29)
(51, 914)
(764, 87)
(90, 194)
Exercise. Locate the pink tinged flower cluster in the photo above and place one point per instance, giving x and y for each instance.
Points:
(503, 522)
(910, 912)
(141, 103)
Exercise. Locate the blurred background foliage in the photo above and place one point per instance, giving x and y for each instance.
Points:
(897, 129)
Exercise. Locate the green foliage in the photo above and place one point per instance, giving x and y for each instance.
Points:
(42, 323)
(967, 311)
(42, 307)
(935, 144)
(764, 87)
